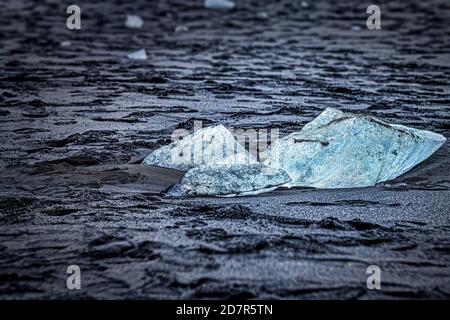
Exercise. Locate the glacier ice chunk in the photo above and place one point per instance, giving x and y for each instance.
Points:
(211, 145)
(231, 180)
(262, 15)
(181, 28)
(344, 150)
(133, 21)
(66, 43)
(138, 55)
(218, 4)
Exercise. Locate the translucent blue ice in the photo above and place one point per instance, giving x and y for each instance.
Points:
(231, 180)
(344, 150)
(211, 145)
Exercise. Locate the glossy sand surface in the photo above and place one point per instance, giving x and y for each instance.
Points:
(75, 121)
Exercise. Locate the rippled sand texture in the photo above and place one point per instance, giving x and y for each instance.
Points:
(76, 120)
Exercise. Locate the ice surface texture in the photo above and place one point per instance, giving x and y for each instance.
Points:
(344, 150)
(232, 179)
(212, 145)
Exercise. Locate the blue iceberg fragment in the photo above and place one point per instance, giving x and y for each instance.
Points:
(232, 180)
(335, 150)
(345, 150)
(211, 145)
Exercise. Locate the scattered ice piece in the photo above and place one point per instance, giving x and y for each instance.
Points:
(181, 28)
(138, 55)
(134, 21)
(66, 43)
(344, 150)
(262, 15)
(395, 185)
(305, 4)
(232, 180)
(218, 4)
(211, 145)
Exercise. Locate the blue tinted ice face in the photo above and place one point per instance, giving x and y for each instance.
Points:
(232, 179)
(212, 145)
(344, 150)
(335, 150)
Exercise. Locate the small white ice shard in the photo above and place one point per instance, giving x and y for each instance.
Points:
(66, 43)
(138, 55)
(212, 145)
(231, 180)
(134, 21)
(218, 4)
(344, 150)
(181, 28)
(262, 15)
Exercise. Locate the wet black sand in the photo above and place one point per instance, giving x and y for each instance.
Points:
(75, 122)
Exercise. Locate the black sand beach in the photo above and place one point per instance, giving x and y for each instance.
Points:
(77, 120)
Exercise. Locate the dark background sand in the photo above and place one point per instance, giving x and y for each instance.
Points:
(75, 121)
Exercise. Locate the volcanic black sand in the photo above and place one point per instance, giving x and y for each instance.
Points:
(77, 119)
